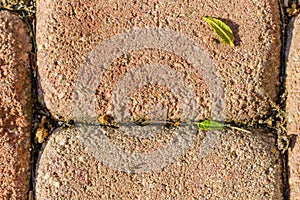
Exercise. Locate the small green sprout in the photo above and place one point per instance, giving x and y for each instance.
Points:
(211, 125)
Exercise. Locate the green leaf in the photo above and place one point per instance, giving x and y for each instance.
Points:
(209, 125)
(223, 31)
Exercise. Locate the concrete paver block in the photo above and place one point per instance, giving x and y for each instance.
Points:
(239, 166)
(15, 107)
(293, 111)
(68, 32)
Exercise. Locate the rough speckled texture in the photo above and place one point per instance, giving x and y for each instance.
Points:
(293, 111)
(67, 31)
(240, 166)
(15, 107)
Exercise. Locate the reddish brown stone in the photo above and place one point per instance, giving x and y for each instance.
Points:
(240, 166)
(15, 107)
(67, 32)
(293, 112)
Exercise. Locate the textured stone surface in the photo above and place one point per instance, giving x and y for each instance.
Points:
(15, 107)
(293, 111)
(239, 166)
(68, 31)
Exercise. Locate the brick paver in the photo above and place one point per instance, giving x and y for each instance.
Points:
(293, 111)
(68, 31)
(15, 107)
(240, 166)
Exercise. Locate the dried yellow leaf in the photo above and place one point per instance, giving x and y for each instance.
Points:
(107, 120)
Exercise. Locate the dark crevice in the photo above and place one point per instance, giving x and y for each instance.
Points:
(286, 38)
(282, 78)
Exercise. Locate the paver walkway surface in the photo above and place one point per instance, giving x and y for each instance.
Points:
(140, 61)
(15, 107)
(94, 56)
(293, 111)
